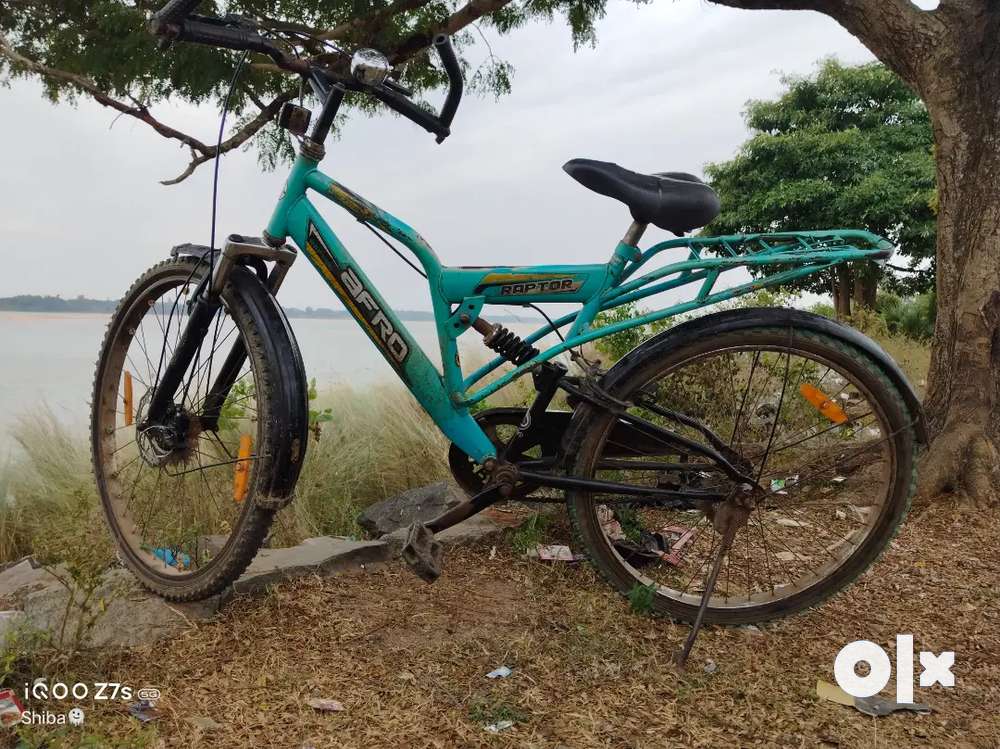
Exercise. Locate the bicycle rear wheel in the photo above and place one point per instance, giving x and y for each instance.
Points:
(812, 418)
(180, 496)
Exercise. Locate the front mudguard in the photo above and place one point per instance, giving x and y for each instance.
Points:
(289, 419)
(755, 317)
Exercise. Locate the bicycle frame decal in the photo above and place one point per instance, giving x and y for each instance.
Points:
(458, 294)
(358, 300)
(513, 284)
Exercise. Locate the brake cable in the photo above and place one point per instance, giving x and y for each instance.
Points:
(215, 209)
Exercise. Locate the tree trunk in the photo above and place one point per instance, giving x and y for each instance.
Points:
(963, 393)
(865, 287)
(949, 55)
(842, 292)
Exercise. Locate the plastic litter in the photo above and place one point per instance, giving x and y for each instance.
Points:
(499, 673)
(711, 666)
(500, 725)
(554, 553)
(10, 708)
(611, 527)
(143, 711)
(169, 557)
(875, 706)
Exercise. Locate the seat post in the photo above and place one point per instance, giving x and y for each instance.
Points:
(634, 233)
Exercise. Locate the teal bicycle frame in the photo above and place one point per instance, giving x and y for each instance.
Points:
(458, 294)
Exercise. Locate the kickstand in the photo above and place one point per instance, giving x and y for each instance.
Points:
(727, 541)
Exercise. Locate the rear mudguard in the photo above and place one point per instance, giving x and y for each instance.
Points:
(755, 317)
(290, 413)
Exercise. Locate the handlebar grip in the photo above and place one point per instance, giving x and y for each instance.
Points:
(219, 35)
(443, 45)
(174, 11)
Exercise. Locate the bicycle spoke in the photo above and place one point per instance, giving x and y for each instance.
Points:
(799, 524)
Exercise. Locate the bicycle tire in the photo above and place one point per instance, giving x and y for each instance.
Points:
(672, 348)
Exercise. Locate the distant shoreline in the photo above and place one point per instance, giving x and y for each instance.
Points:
(35, 304)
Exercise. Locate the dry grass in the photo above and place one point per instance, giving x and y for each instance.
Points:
(47, 492)
(408, 660)
(378, 443)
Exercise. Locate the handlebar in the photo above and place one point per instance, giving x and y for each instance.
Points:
(443, 45)
(173, 22)
(218, 34)
(394, 96)
(173, 12)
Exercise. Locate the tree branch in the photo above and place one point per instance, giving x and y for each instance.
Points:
(468, 13)
(896, 31)
(200, 151)
(372, 20)
(89, 87)
(236, 140)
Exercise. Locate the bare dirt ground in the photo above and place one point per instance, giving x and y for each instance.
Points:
(408, 661)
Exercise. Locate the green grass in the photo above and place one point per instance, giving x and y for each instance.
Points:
(640, 598)
(47, 495)
(530, 534)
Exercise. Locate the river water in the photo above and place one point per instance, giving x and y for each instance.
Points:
(48, 360)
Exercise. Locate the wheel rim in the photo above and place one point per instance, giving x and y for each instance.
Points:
(175, 494)
(827, 481)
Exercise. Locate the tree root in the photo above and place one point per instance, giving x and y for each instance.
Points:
(962, 461)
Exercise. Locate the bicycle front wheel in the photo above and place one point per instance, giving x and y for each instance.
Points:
(814, 420)
(180, 495)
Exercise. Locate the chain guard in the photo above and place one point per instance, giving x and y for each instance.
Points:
(471, 477)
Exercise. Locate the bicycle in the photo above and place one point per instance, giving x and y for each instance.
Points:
(741, 465)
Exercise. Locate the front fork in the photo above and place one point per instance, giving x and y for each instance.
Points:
(207, 301)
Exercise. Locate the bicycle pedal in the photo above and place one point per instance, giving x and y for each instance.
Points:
(422, 553)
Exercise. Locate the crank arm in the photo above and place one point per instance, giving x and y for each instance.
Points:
(488, 496)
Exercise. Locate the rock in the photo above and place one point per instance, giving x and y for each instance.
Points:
(314, 556)
(20, 579)
(119, 612)
(422, 504)
(11, 622)
(469, 531)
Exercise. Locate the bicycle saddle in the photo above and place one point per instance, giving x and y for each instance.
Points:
(674, 201)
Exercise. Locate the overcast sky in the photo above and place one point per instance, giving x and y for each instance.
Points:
(83, 212)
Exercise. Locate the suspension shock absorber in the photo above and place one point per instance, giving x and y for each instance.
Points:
(509, 345)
